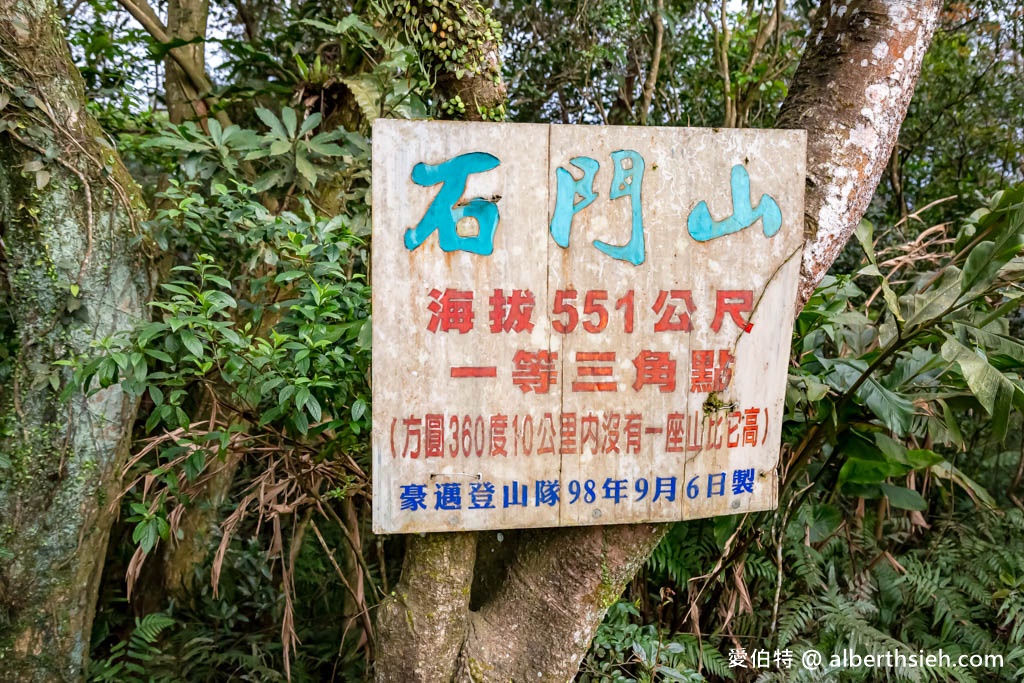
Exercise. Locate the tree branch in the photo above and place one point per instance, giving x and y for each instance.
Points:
(851, 93)
(186, 21)
(721, 33)
(761, 38)
(541, 621)
(652, 73)
(200, 82)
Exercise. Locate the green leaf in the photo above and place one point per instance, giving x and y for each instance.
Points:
(366, 94)
(365, 339)
(976, 267)
(997, 343)
(358, 409)
(280, 147)
(289, 275)
(272, 122)
(936, 300)
(903, 498)
(290, 122)
(824, 519)
(304, 167)
(860, 471)
(159, 355)
(865, 235)
(994, 391)
(146, 534)
(195, 464)
(672, 674)
(952, 424)
(893, 450)
(154, 418)
(300, 422)
(192, 343)
(216, 134)
(302, 396)
(866, 463)
(978, 494)
(313, 407)
(327, 149)
(311, 122)
(921, 458)
(894, 410)
(1004, 226)
(176, 289)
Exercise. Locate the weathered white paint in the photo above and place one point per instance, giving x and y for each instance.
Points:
(412, 365)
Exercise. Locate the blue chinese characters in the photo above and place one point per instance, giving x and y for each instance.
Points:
(572, 196)
(702, 228)
(627, 181)
(445, 212)
(547, 492)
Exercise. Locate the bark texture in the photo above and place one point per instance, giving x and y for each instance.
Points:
(544, 604)
(423, 622)
(70, 275)
(189, 85)
(186, 20)
(851, 93)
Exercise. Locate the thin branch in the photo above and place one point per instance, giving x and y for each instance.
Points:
(201, 84)
(364, 610)
(763, 32)
(722, 37)
(652, 73)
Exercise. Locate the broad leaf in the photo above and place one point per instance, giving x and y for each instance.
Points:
(994, 391)
(903, 498)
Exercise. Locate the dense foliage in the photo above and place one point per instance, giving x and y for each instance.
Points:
(244, 533)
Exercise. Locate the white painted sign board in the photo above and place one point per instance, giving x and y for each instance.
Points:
(579, 324)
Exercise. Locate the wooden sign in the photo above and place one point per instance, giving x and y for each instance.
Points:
(579, 324)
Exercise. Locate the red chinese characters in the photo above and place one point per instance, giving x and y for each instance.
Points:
(710, 370)
(450, 310)
(594, 371)
(535, 371)
(734, 303)
(553, 434)
(512, 311)
(671, 320)
(655, 368)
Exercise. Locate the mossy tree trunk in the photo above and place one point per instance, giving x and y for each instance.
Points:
(70, 274)
(459, 615)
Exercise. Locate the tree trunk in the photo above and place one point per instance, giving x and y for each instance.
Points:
(850, 92)
(186, 20)
(71, 274)
(476, 82)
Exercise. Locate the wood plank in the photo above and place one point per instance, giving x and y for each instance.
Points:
(560, 416)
